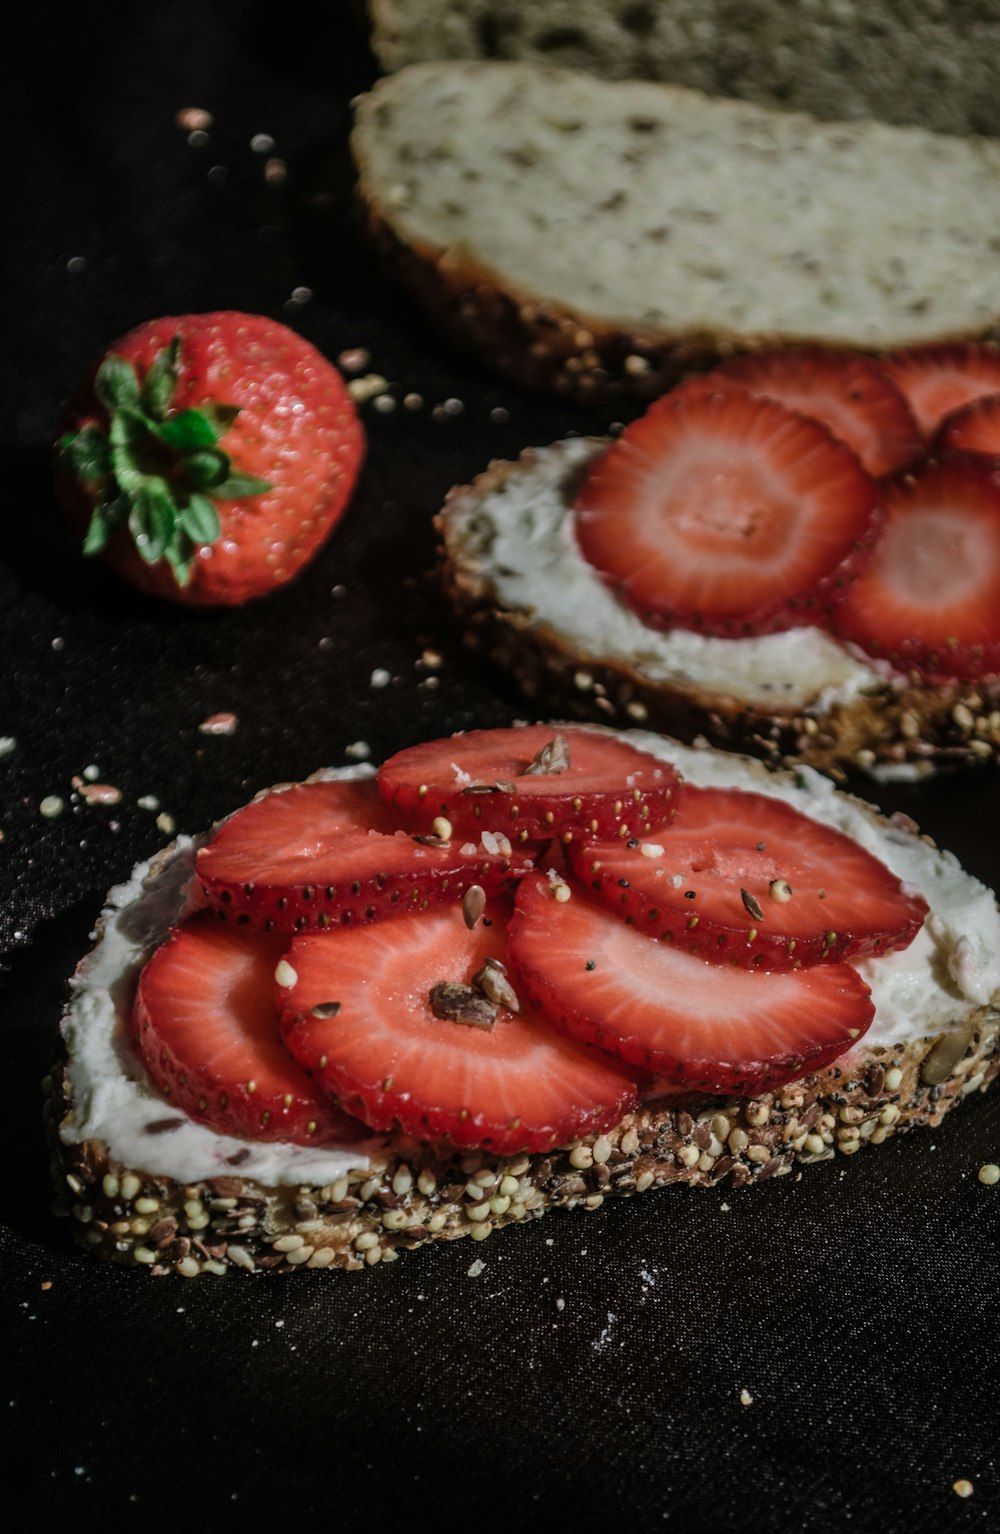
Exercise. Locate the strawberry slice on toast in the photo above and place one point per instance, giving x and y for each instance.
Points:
(927, 595)
(726, 514)
(205, 1025)
(700, 1026)
(532, 784)
(846, 391)
(744, 878)
(413, 1025)
(328, 853)
(973, 429)
(942, 377)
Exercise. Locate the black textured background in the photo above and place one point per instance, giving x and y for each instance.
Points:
(857, 1306)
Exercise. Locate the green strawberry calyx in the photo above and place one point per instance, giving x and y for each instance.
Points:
(156, 469)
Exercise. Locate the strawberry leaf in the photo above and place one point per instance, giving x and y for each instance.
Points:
(221, 416)
(200, 520)
(128, 434)
(238, 485)
(106, 517)
(206, 468)
(161, 380)
(180, 556)
(189, 430)
(116, 384)
(86, 454)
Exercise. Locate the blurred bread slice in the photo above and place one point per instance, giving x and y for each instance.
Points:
(594, 237)
(905, 61)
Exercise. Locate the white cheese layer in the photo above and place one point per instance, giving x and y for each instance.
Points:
(952, 967)
(520, 536)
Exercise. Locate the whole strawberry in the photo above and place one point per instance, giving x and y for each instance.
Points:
(208, 456)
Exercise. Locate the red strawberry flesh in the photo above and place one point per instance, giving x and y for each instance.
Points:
(325, 853)
(942, 377)
(927, 596)
(516, 1086)
(973, 429)
(727, 514)
(481, 781)
(745, 878)
(845, 391)
(705, 1027)
(205, 1025)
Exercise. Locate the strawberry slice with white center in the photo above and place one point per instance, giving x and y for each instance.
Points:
(973, 429)
(743, 878)
(849, 393)
(325, 854)
(206, 1027)
(394, 1022)
(533, 784)
(705, 1027)
(727, 514)
(942, 377)
(927, 596)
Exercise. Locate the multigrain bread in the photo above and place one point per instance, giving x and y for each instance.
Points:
(593, 237)
(528, 600)
(903, 61)
(146, 1187)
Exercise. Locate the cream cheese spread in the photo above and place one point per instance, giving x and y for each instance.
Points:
(521, 537)
(952, 967)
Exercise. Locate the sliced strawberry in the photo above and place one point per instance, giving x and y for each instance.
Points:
(748, 879)
(845, 391)
(973, 429)
(726, 513)
(943, 377)
(707, 1027)
(928, 595)
(358, 1017)
(534, 784)
(205, 1024)
(317, 854)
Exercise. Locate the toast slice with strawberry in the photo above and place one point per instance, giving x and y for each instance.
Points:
(729, 567)
(234, 1097)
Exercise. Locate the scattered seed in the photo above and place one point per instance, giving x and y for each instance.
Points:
(495, 986)
(473, 906)
(380, 677)
(51, 806)
(962, 1488)
(354, 359)
(751, 905)
(285, 975)
(441, 826)
(456, 1003)
(358, 750)
(553, 757)
(219, 724)
(166, 824)
(324, 1009)
(194, 119)
(780, 890)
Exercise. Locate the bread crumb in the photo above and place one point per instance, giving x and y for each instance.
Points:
(358, 750)
(476, 1268)
(962, 1488)
(746, 1399)
(380, 677)
(219, 724)
(166, 824)
(8, 744)
(560, 1303)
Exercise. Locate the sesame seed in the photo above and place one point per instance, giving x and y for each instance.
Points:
(441, 826)
(893, 1079)
(989, 1174)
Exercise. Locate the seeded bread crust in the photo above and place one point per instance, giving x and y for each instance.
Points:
(904, 61)
(412, 1193)
(909, 726)
(537, 339)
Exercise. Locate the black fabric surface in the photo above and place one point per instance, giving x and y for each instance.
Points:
(591, 1375)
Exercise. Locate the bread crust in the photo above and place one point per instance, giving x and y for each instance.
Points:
(411, 1193)
(911, 726)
